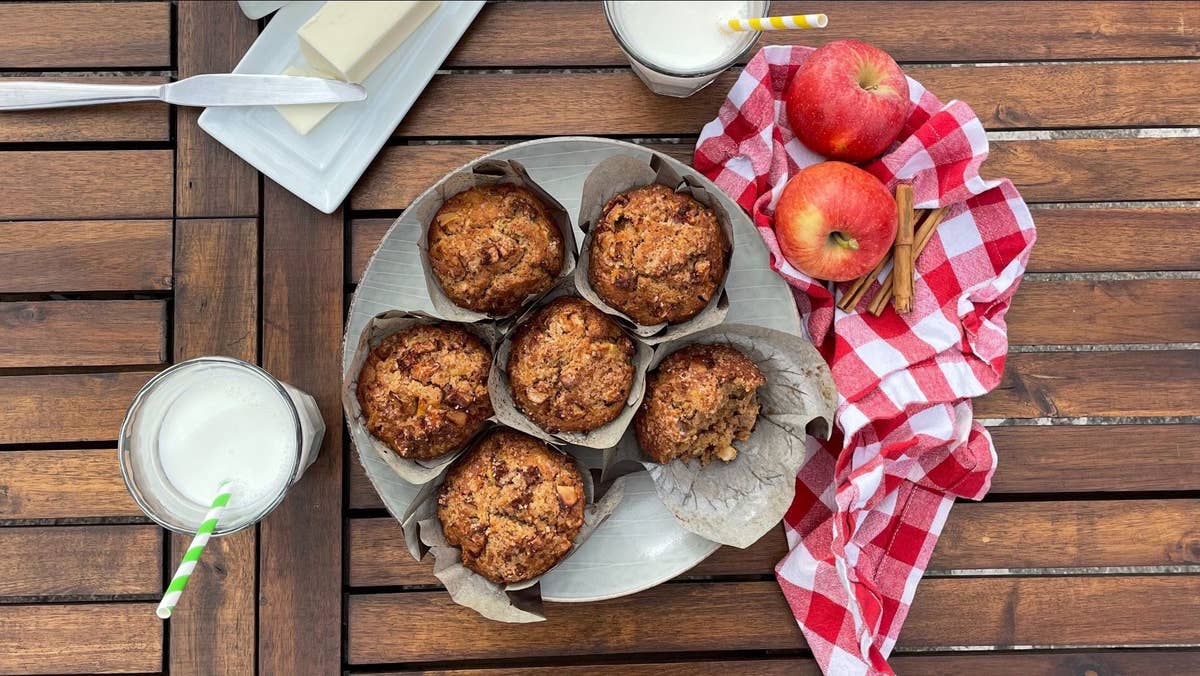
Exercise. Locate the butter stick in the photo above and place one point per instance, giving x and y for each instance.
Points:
(304, 116)
(350, 39)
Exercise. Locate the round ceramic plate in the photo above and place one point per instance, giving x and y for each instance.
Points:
(640, 545)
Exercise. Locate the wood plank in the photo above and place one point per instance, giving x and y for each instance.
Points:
(947, 612)
(57, 256)
(1069, 240)
(88, 638)
(1055, 534)
(1088, 240)
(1081, 312)
(67, 407)
(1099, 170)
(1067, 384)
(606, 104)
(216, 312)
(1080, 458)
(1047, 611)
(80, 560)
(85, 34)
(83, 333)
(1058, 663)
(1065, 534)
(86, 184)
(121, 122)
(362, 493)
(209, 179)
(63, 484)
(1058, 170)
(426, 626)
(302, 292)
(513, 34)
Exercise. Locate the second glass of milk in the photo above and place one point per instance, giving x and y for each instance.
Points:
(678, 48)
(206, 420)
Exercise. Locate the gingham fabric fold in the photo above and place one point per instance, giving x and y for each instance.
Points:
(871, 502)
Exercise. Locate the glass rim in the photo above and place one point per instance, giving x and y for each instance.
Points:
(123, 443)
(612, 26)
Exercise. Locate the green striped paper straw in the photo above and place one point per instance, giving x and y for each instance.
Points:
(184, 572)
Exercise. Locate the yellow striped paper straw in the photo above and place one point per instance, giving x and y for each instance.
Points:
(195, 549)
(777, 23)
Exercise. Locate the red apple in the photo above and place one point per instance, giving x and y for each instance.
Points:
(835, 221)
(848, 101)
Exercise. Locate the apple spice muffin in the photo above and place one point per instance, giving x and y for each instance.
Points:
(513, 505)
(423, 390)
(570, 367)
(657, 255)
(491, 247)
(699, 401)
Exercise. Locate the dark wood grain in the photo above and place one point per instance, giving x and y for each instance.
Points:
(80, 560)
(209, 179)
(1027, 663)
(49, 256)
(83, 333)
(1065, 384)
(1066, 534)
(1088, 240)
(605, 104)
(90, 184)
(1053, 534)
(1076, 611)
(1098, 169)
(987, 611)
(62, 484)
(1059, 170)
(515, 34)
(1101, 312)
(1082, 458)
(299, 626)
(121, 122)
(67, 407)
(84, 638)
(424, 626)
(85, 35)
(216, 312)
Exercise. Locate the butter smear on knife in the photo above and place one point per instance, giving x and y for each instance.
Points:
(347, 40)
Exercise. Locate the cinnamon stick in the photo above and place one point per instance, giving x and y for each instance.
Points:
(902, 251)
(859, 288)
(921, 238)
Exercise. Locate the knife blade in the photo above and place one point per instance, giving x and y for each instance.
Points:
(217, 89)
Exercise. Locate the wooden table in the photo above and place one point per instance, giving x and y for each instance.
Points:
(130, 240)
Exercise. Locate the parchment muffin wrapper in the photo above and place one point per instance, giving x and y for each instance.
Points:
(517, 602)
(381, 326)
(735, 503)
(621, 173)
(486, 173)
(509, 414)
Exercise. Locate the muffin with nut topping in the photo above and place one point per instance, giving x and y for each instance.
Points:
(657, 255)
(492, 247)
(513, 504)
(699, 401)
(570, 367)
(423, 390)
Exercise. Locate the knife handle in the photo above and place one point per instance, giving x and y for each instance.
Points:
(32, 95)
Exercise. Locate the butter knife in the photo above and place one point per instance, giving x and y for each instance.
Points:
(221, 89)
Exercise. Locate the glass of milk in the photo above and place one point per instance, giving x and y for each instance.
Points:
(678, 48)
(202, 421)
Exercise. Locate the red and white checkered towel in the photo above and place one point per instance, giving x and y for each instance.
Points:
(871, 502)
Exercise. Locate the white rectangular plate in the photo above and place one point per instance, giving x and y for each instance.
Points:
(323, 166)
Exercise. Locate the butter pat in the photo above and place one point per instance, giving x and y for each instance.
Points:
(303, 117)
(350, 38)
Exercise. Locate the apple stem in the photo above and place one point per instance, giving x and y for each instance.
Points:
(842, 240)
